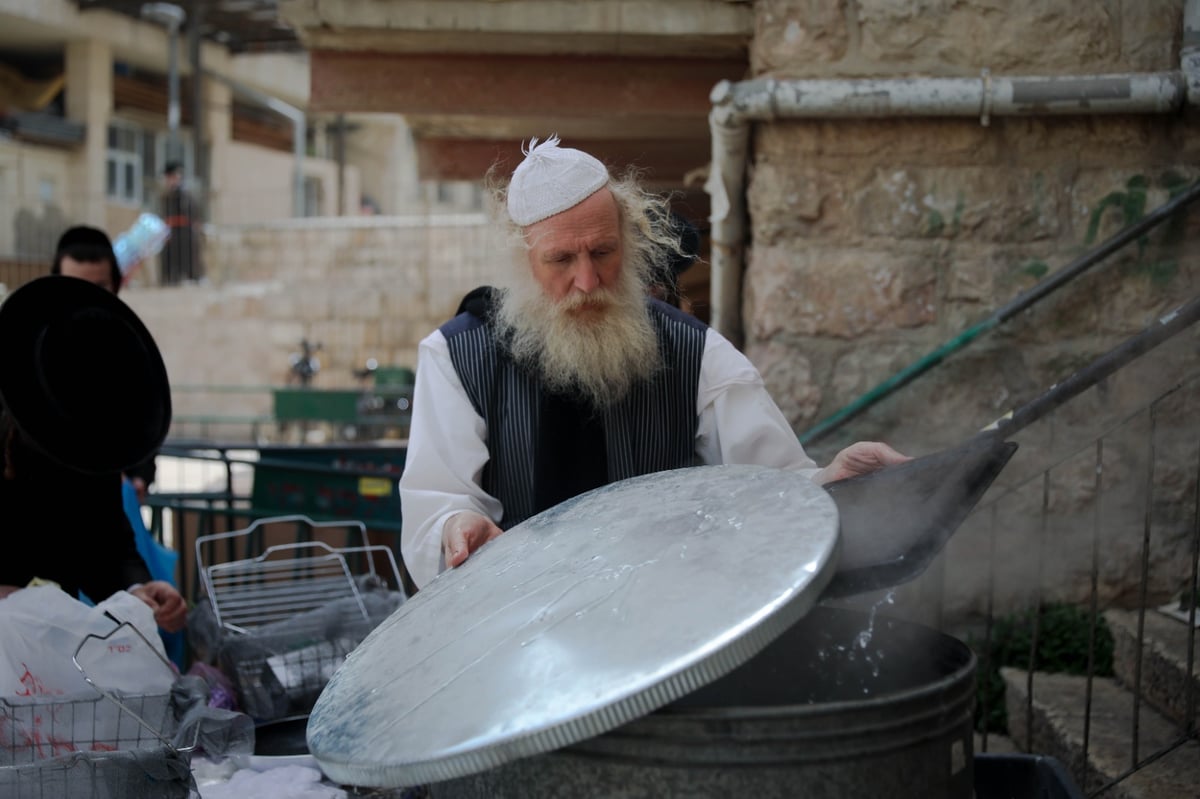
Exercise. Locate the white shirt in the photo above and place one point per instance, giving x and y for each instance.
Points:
(447, 444)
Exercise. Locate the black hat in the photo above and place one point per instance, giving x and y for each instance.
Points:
(80, 375)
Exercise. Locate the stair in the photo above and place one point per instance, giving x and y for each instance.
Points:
(1164, 660)
(1059, 702)
(1058, 715)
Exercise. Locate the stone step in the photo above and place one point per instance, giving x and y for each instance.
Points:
(1059, 702)
(1164, 660)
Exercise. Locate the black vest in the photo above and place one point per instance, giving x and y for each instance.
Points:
(545, 448)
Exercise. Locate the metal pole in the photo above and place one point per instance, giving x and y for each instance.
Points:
(171, 17)
(339, 145)
(299, 141)
(199, 137)
(174, 150)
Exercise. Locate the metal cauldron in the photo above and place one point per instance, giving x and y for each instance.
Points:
(843, 704)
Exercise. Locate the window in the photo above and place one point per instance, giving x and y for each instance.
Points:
(135, 160)
(123, 164)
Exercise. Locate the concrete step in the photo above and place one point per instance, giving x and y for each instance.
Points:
(1164, 659)
(1059, 702)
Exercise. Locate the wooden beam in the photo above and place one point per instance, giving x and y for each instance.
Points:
(508, 85)
(662, 162)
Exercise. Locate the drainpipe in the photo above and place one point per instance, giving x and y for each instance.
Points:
(299, 132)
(1189, 53)
(736, 105)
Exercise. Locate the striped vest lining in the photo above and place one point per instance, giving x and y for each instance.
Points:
(652, 429)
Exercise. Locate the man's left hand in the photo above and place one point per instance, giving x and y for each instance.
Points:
(860, 458)
(170, 611)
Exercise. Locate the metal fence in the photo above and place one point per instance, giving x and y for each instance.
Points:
(1136, 484)
(230, 486)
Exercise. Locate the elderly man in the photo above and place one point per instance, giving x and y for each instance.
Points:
(569, 378)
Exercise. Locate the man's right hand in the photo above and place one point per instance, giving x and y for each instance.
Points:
(463, 533)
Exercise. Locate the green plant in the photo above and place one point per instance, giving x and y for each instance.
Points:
(1130, 204)
(1062, 646)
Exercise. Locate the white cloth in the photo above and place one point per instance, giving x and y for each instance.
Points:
(447, 444)
(283, 782)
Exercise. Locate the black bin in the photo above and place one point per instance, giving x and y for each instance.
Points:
(1019, 776)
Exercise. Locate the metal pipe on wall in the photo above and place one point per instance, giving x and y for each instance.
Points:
(171, 17)
(736, 105)
(299, 132)
(1189, 52)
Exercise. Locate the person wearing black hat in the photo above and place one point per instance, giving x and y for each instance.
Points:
(181, 255)
(67, 435)
(87, 253)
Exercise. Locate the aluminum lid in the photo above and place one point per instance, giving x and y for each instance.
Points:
(589, 615)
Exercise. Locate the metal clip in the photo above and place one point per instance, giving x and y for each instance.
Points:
(985, 110)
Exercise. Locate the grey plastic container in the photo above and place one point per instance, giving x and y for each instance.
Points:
(841, 705)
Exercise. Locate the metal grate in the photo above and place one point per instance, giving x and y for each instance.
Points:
(289, 616)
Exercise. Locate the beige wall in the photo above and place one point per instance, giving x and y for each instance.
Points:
(382, 148)
(35, 194)
(367, 287)
(255, 184)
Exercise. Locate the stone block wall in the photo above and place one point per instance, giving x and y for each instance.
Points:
(362, 287)
(873, 242)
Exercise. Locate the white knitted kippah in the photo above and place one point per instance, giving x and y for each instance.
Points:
(552, 179)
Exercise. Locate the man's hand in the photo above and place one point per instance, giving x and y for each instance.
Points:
(463, 533)
(863, 457)
(170, 611)
(5, 590)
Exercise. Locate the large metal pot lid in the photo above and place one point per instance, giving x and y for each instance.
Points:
(586, 616)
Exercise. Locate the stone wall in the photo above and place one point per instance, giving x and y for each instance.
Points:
(368, 287)
(873, 242)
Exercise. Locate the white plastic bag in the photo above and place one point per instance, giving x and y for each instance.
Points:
(40, 629)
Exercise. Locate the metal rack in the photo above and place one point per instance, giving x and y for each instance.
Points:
(289, 616)
(103, 747)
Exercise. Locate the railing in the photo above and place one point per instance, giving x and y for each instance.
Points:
(1127, 501)
(233, 485)
(260, 414)
(16, 272)
(1132, 232)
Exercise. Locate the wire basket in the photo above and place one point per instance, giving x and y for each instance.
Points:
(288, 617)
(106, 747)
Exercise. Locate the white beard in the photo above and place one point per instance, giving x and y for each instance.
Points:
(600, 355)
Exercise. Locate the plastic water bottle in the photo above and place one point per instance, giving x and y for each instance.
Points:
(145, 239)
